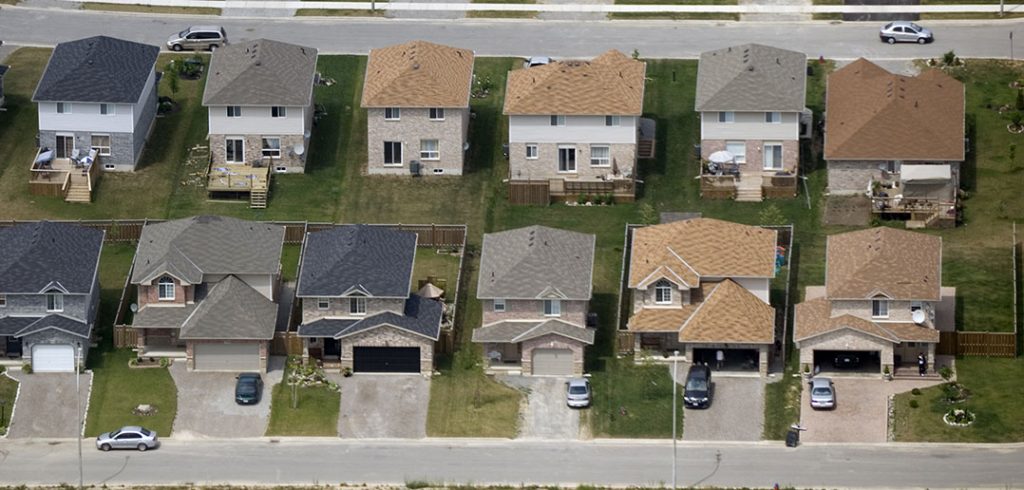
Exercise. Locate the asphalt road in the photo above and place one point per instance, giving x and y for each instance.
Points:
(621, 463)
(653, 39)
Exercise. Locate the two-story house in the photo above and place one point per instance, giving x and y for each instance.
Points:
(574, 125)
(49, 293)
(898, 139)
(535, 288)
(883, 301)
(416, 97)
(751, 100)
(701, 285)
(358, 312)
(208, 291)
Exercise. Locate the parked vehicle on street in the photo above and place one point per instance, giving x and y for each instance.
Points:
(904, 31)
(198, 38)
(823, 393)
(697, 391)
(536, 61)
(846, 361)
(577, 393)
(128, 437)
(248, 388)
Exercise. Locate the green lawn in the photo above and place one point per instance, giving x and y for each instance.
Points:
(342, 13)
(8, 391)
(634, 401)
(465, 403)
(290, 262)
(674, 15)
(150, 9)
(501, 14)
(315, 413)
(431, 263)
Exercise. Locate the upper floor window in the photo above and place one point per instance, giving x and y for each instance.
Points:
(880, 308)
(3, 300)
(726, 117)
(773, 117)
(54, 302)
(436, 114)
(278, 111)
(357, 306)
(558, 120)
(499, 305)
(165, 289)
(392, 113)
(663, 293)
(106, 109)
(611, 120)
(234, 111)
(323, 303)
(63, 108)
(552, 307)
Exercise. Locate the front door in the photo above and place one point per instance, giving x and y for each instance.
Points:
(332, 347)
(566, 159)
(65, 145)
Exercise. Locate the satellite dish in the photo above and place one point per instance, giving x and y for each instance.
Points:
(918, 316)
(299, 149)
(134, 307)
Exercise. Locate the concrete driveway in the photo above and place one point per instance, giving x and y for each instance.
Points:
(383, 405)
(861, 410)
(46, 404)
(545, 414)
(207, 408)
(736, 412)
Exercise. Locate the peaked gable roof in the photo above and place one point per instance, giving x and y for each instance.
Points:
(611, 84)
(421, 316)
(730, 314)
(751, 77)
(373, 260)
(813, 318)
(62, 323)
(231, 310)
(536, 262)
(899, 264)
(97, 69)
(519, 331)
(877, 115)
(188, 248)
(34, 256)
(418, 74)
(261, 72)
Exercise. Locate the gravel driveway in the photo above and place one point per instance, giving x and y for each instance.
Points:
(545, 414)
(207, 408)
(383, 406)
(860, 413)
(736, 412)
(46, 404)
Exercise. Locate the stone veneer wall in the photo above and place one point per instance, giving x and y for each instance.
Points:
(122, 149)
(845, 340)
(388, 337)
(415, 125)
(254, 151)
(755, 154)
(552, 341)
(545, 166)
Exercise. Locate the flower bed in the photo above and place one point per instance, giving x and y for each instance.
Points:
(958, 417)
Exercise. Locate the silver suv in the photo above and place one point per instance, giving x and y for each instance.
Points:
(905, 31)
(198, 38)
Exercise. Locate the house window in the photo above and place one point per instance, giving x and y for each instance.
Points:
(63, 108)
(234, 111)
(3, 300)
(323, 303)
(773, 156)
(531, 151)
(165, 289)
(101, 143)
(392, 153)
(600, 156)
(392, 113)
(54, 302)
(916, 305)
(357, 306)
(278, 111)
(879, 308)
(106, 109)
(436, 114)
(272, 147)
(567, 159)
(429, 150)
(611, 120)
(663, 293)
(738, 150)
(499, 305)
(234, 150)
(552, 307)
(773, 117)
(726, 117)
(558, 120)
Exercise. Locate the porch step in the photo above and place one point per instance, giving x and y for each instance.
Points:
(645, 148)
(915, 224)
(258, 199)
(78, 193)
(930, 376)
(748, 194)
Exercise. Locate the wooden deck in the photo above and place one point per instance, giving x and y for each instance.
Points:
(240, 179)
(61, 177)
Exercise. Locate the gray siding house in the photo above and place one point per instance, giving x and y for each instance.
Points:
(535, 287)
(49, 293)
(357, 310)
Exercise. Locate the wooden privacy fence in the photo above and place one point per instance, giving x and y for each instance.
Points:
(992, 344)
(286, 344)
(125, 336)
(529, 192)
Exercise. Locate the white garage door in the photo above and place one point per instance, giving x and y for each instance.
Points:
(552, 362)
(227, 357)
(53, 358)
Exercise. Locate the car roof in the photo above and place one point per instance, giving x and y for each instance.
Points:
(130, 428)
(249, 375)
(204, 28)
(699, 369)
(900, 23)
(577, 382)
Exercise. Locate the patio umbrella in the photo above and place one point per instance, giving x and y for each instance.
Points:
(722, 156)
(430, 291)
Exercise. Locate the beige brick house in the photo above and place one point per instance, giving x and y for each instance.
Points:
(535, 288)
(416, 97)
(883, 301)
(701, 285)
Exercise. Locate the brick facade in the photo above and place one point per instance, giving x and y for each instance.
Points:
(574, 312)
(190, 349)
(414, 125)
(151, 294)
(545, 166)
(122, 147)
(388, 337)
(339, 308)
(755, 154)
(845, 340)
(253, 151)
(552, 341)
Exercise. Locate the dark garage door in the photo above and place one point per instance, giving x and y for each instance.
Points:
(386, 359)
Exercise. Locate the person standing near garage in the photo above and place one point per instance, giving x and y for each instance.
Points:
(922, 364)
(719, 358)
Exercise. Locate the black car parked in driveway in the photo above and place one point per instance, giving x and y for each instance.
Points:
(248, 388)
(697, 392)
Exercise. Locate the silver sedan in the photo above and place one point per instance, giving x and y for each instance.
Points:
(905, 31)
(130, 437)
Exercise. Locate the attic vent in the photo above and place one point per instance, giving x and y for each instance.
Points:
(415, 66)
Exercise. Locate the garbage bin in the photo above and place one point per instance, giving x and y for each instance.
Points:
(792, 438)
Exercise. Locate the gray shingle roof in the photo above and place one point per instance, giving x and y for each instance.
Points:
(536, 261)
(420, 316)
(59, 322)
(232, 310)
(10, 325)
(35, 255)
(191, 247)
(519, 331)
(97, 69)
(751, 77)
(261, 72)
(159, 316)
(324, 327)
(375, 259)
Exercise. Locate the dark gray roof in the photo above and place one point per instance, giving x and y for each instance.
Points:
(325, 327)
(519, 331)
(159, 316)
(59, 322)
(751, 77)
(535, 262)
(232, 310)
(191, 247)
(373, 259)
(261, 72)
(420, 316)
(34, 256)
(10, 325)
(97, 69)
(3, 70)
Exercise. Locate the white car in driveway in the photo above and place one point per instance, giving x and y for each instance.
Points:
(577, 393)
(823, 393)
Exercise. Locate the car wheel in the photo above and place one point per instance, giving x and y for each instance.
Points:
(143, 447)
(891, 40)
(921, 40)
(213, 47)
(105, 447)
(176, 47)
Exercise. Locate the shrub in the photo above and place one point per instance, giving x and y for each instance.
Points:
(1016, 117)
(3, 369)
(915, 391)
(914, 404)
(648, 215)
(946, 373)
(949, 58)
(771, 215)
(1020, 99)
(164, 362)
(581, 199)
(26, 368)
(133, 362)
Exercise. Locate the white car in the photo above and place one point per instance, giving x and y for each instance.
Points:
(577, 393)
(905, 32)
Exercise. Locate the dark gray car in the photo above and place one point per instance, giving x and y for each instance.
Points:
(129, 437)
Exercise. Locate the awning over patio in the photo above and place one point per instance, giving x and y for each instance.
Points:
(925, 173)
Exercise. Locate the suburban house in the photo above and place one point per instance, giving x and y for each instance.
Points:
(49, 293)
(97, 103)
(897, 139)
(357, 309)
(573, 125)
(416, 97)
(208, 291)
(882, 302)
(751, 100)
(535, 287)
(701, 285)
(260, 99)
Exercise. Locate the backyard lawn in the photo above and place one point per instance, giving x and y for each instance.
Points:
(315, 413)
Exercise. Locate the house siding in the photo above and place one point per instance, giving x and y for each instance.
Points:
(413, 126)
(545, 166)
(574, 312)
(899, 311)
(388, 337)
(257, 120)
(749, 126)
(581, 130)
(77, 306)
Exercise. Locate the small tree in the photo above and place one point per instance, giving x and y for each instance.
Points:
(1020, 99)
(1016, 119)
(771, 215)
(172, 81)
(949, 58)
(648, 215)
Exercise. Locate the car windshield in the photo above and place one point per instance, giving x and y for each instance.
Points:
(696, 385)
(821, 391)
(183, 33)
(577, 390)
(916, 27)
(247, 386)
(115, 433)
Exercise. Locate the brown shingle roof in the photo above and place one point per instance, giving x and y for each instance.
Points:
(666, 319)
(704, 247)
(731, 314)
(418, 74)
(813, 318)
(611, 84)
(877, 115)
(902, 265)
